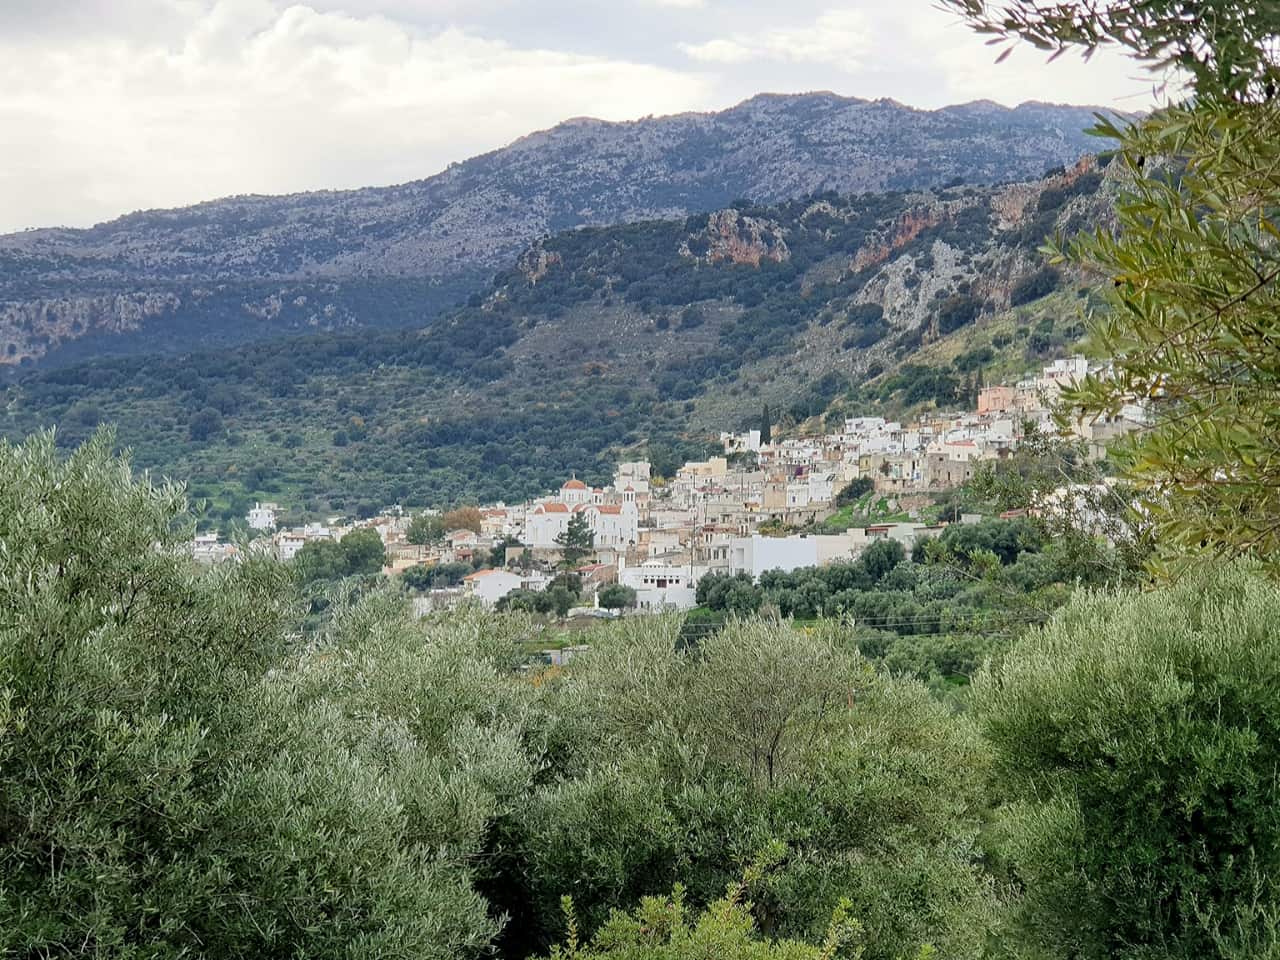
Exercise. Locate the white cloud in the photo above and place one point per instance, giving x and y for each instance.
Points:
(113, 105)
(838, 38)
(252, 98)
(720, 51)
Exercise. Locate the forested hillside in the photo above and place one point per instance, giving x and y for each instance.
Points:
(599, 339)
(247, 268)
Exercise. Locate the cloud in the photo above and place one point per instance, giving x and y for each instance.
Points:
(112, 105)
(248, 97)
(836, 38)
(909, 50)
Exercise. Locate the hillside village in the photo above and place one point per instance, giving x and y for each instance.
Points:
(734, 513)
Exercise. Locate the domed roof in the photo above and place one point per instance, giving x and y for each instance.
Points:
(574, 484)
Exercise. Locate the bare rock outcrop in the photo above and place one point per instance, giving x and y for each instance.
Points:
(474, 217)
(732, 237)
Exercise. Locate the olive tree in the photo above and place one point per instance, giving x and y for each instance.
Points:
(678, 766)
(1190, 268)
(1137, 739)
(180, 776)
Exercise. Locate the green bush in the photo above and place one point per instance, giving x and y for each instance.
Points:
(175, 780)
(1034, 286)
(854, 490)
(1137, 740)
(689, 764)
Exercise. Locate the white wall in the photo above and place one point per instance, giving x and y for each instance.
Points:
(661, 586)
(493, 586)
(756, 554)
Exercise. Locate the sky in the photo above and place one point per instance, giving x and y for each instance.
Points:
(111, 106)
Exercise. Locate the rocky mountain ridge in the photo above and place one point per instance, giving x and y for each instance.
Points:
(601, 341)
(254, 267)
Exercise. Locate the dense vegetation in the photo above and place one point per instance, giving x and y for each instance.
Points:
(186, 771)
(938, 614)
(182, 770)
(505, 396)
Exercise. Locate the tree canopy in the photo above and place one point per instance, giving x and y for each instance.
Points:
(577, 540)
(1190, 271)
(1137, 739)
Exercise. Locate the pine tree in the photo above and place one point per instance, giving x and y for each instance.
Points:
(766, 426)
(577, 541)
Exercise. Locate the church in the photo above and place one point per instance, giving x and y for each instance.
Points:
(613, 516)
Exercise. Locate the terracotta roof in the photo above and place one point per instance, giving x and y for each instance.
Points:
(609, 508)
(574, 484)
(551, 508)
(480, 573)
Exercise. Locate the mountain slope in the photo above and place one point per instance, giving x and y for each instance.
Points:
(248, 268)
(597, 340)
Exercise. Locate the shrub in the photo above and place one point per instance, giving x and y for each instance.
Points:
(1137, 741)
(956, 311)
(616, 596)
(854, 490)
(173, 777)
(1034, 286)
(205, 425)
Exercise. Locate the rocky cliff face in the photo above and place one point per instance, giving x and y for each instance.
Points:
(591, 339)
(731, 237)
(144, 272)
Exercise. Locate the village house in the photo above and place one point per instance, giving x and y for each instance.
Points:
(490, 586)
(206, 548)
(262, 516)
(661, 586)
(747, 442)
(288, 543)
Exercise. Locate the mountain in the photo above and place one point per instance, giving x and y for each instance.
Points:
(608, 340)
(248, 268)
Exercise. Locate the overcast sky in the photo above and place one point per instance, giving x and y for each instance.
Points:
(109, 106)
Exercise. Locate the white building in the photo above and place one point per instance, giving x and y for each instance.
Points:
(615, 526)
(1066, 372)
(262, 516)
(546, 522)
(574, 492)
(490, 586)
(748, 442)
(661, 586)
(207, 548)
(634, 474)
(755, 554)
(288, 543)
